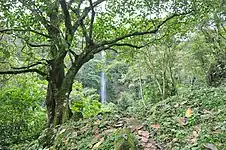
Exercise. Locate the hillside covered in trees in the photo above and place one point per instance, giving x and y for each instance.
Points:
(112, 74)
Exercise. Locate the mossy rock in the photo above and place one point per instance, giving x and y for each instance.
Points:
(124, 140)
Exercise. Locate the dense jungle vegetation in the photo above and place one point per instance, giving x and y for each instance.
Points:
(112, 74)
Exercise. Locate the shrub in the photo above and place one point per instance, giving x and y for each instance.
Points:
(22, 115)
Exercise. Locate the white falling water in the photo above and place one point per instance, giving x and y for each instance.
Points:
(103, 90)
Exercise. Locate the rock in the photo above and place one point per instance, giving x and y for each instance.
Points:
(124, 140)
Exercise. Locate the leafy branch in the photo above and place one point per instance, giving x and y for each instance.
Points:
(110, 43)
(142, 33)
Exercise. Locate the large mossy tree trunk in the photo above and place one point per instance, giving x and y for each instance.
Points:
(59, 88)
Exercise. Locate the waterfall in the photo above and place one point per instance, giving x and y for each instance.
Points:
(103, 81)
(103, 88)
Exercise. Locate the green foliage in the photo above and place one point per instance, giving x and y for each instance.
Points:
(22, 115)
(89, 74)
(109, 108)
(85, 101)
(206, 125)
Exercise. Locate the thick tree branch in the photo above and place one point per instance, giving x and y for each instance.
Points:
(38, 45)
(74, 54)
(87, 37)
(67, 19)
(136, 46)
(92, 20)
(129, 45)
(223, 27)
(27, 67)
(79, 22)
(222, 36)
(140, 33)
(24, 30)
(109, 46)
(23, 71)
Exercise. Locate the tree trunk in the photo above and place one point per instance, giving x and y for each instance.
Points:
(56, 77)
(59, 89)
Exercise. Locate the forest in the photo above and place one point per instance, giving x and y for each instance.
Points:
(112, 75)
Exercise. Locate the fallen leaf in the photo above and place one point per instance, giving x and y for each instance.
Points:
(108, 131)
(73, 146)
(216, 132)
(210, 146)
(142, 144)
(96, 130)
(97, 122)
(184, 102)
(145, 134)
(144, 139)
(193, 140)
(74, 134)
(176, 105)
(198, 128)
(62, 131)
(175, 140)
(156, 126)
(207, 111)
(182, 121)
(148, 145)
(188, 112)
(119, 125)
(139, 127)
(195, 133)
(98, 144)
(140, 132)
(97, 136)
(136, 128)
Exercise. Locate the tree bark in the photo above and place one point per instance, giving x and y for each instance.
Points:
(55, 79)
(59, 89)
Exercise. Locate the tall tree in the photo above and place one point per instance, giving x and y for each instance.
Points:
(54, 38)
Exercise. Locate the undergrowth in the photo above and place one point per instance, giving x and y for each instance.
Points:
(206, 125)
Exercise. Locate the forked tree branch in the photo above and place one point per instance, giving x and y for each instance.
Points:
(137, 46)
(84, 14)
